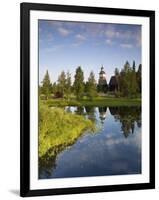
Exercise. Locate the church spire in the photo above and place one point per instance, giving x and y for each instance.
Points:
(102, 82)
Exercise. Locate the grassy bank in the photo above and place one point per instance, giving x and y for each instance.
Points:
(98, 101)
(58, 128)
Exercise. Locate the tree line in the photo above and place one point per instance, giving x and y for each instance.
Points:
(64, 86)
(128, 84)
(129, 80)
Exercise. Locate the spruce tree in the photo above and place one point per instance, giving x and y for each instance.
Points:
(46, 87)
(68, 85)
(61, 87)
(133, 80)
(139, 80)
(79, 83)
(91, 86)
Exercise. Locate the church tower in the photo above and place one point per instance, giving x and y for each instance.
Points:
(102, 82)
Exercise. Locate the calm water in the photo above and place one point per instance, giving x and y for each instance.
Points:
(114, 149)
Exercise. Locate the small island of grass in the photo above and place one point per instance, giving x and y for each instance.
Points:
(58, 128)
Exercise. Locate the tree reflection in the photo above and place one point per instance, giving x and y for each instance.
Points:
(102, 113)
(127, 116)
(46, 166)
(90, 111)
(80, 110)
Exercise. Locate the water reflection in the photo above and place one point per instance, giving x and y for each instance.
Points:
(127, 117)
(115, 150)
(90, 113)
(102, 113)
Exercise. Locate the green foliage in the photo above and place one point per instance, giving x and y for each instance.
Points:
(102, 88)
(57, 128)
(125, 77)
(91, 87)
(46, 87)
(117, 76)
(54, 87)
(61, 86)
(79, 83)
(62, 102)
(128, 81)
(139, 77)
(68, 85)
(124, 83)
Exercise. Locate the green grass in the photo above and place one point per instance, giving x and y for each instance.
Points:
(58, 128)
(98, 101)
(111, 102)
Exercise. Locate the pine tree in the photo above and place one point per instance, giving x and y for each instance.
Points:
(54, 87)
(139, 80)
(79, 83)
(125, 79)
(61, 87)
(134, 66)
(46, 87)
(91, 86)
(68, 84)
(117, 76)
(133, 82)
(128, 80)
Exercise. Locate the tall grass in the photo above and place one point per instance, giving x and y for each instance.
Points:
(58, 128)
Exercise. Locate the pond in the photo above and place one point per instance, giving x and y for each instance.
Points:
(114, 149)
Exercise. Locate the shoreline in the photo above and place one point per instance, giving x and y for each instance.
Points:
(96, 102)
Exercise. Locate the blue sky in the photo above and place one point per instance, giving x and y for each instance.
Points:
(67, 45)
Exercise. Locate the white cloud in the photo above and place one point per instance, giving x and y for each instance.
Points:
(50, 37)
(54, 48)
(80, 37)
(109, 42)
(79, 40)
(126, 35)
(63, 31)
(110, 33)
(126, 45)
(76, 44)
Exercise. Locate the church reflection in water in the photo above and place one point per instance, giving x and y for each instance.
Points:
(102, 113)
(126, 116)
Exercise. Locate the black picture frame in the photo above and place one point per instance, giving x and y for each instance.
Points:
(25, 9)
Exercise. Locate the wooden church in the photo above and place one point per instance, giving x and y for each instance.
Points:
(102, 82)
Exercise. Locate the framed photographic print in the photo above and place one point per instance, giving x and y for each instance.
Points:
(87, 99)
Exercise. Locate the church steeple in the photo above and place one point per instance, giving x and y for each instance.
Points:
(102, 82)
(102, 74)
